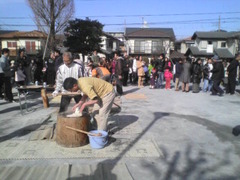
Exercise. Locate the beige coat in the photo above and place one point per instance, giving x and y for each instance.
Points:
(140, 68)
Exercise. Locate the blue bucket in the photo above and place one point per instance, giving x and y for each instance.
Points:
(98, 142)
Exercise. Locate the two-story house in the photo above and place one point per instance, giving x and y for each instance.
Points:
(207, 44)
(31, 41)
(149, 41)
(182, 45)
(110, 44)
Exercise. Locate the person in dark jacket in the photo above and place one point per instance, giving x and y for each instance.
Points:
(58, 59)
(51, 73)
(25, 61)
(232, 74)
(179, 67)
(125, 69)
(218, 75)
(160, 64)
(196, 75)
(119, 73)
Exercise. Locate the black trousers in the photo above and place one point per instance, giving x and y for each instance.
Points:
(125, 78)
(8, 88)
(216, 89)
(1, 84)
(119, 86)
(130, 78)
(231, 86)
(65, 101)
(135, 77)
(51, 76)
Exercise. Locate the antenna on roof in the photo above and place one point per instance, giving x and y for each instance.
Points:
(145, 24)
(219, 24)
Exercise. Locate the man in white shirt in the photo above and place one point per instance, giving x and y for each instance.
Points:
(68, 69)
(134, 69)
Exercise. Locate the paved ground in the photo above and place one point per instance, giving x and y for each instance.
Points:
(158, 134)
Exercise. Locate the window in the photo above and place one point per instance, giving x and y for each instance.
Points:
(139, 46)
(157, 46)
(223, 44)
(209, 42)
(30, 46)
(12, 44)
(109, 43)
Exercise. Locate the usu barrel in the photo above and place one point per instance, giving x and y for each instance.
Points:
(69, 138)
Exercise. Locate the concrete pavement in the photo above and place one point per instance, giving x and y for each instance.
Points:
(158, 134)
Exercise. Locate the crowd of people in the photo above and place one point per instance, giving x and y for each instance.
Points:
(140, 71)
(158, 72)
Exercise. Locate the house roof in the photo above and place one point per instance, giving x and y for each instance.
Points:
(212, 35)
(6, 31)
(236, 34)
(110, 36)
(23, 34)
(224, 53)
(150, 33)
(221, 52)
(176, 55)
(196, 52)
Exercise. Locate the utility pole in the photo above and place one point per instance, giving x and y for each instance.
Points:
(219, 23)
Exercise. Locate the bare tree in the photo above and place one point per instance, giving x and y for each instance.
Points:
(51, 16)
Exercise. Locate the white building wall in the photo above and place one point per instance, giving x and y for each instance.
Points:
(4, 43)
(183, 48)
(104, 42)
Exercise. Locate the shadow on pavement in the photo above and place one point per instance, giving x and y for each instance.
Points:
(17, 106)
(23, 131)
(2, 103)
(130, 91)
(119, 122)
(157, 116)
(195, 166)
(188, 164)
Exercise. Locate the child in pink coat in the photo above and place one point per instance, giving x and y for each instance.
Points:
(168, 76)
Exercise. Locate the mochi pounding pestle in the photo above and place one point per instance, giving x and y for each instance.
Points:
(84, 132)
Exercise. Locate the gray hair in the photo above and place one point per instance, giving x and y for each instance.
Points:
(69, 54)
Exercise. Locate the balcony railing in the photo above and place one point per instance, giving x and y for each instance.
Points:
(147, 50)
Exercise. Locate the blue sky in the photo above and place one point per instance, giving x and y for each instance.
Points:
(184, 16)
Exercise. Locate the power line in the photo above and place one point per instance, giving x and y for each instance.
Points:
(152, 15)
(202, 21)
(138, 15)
